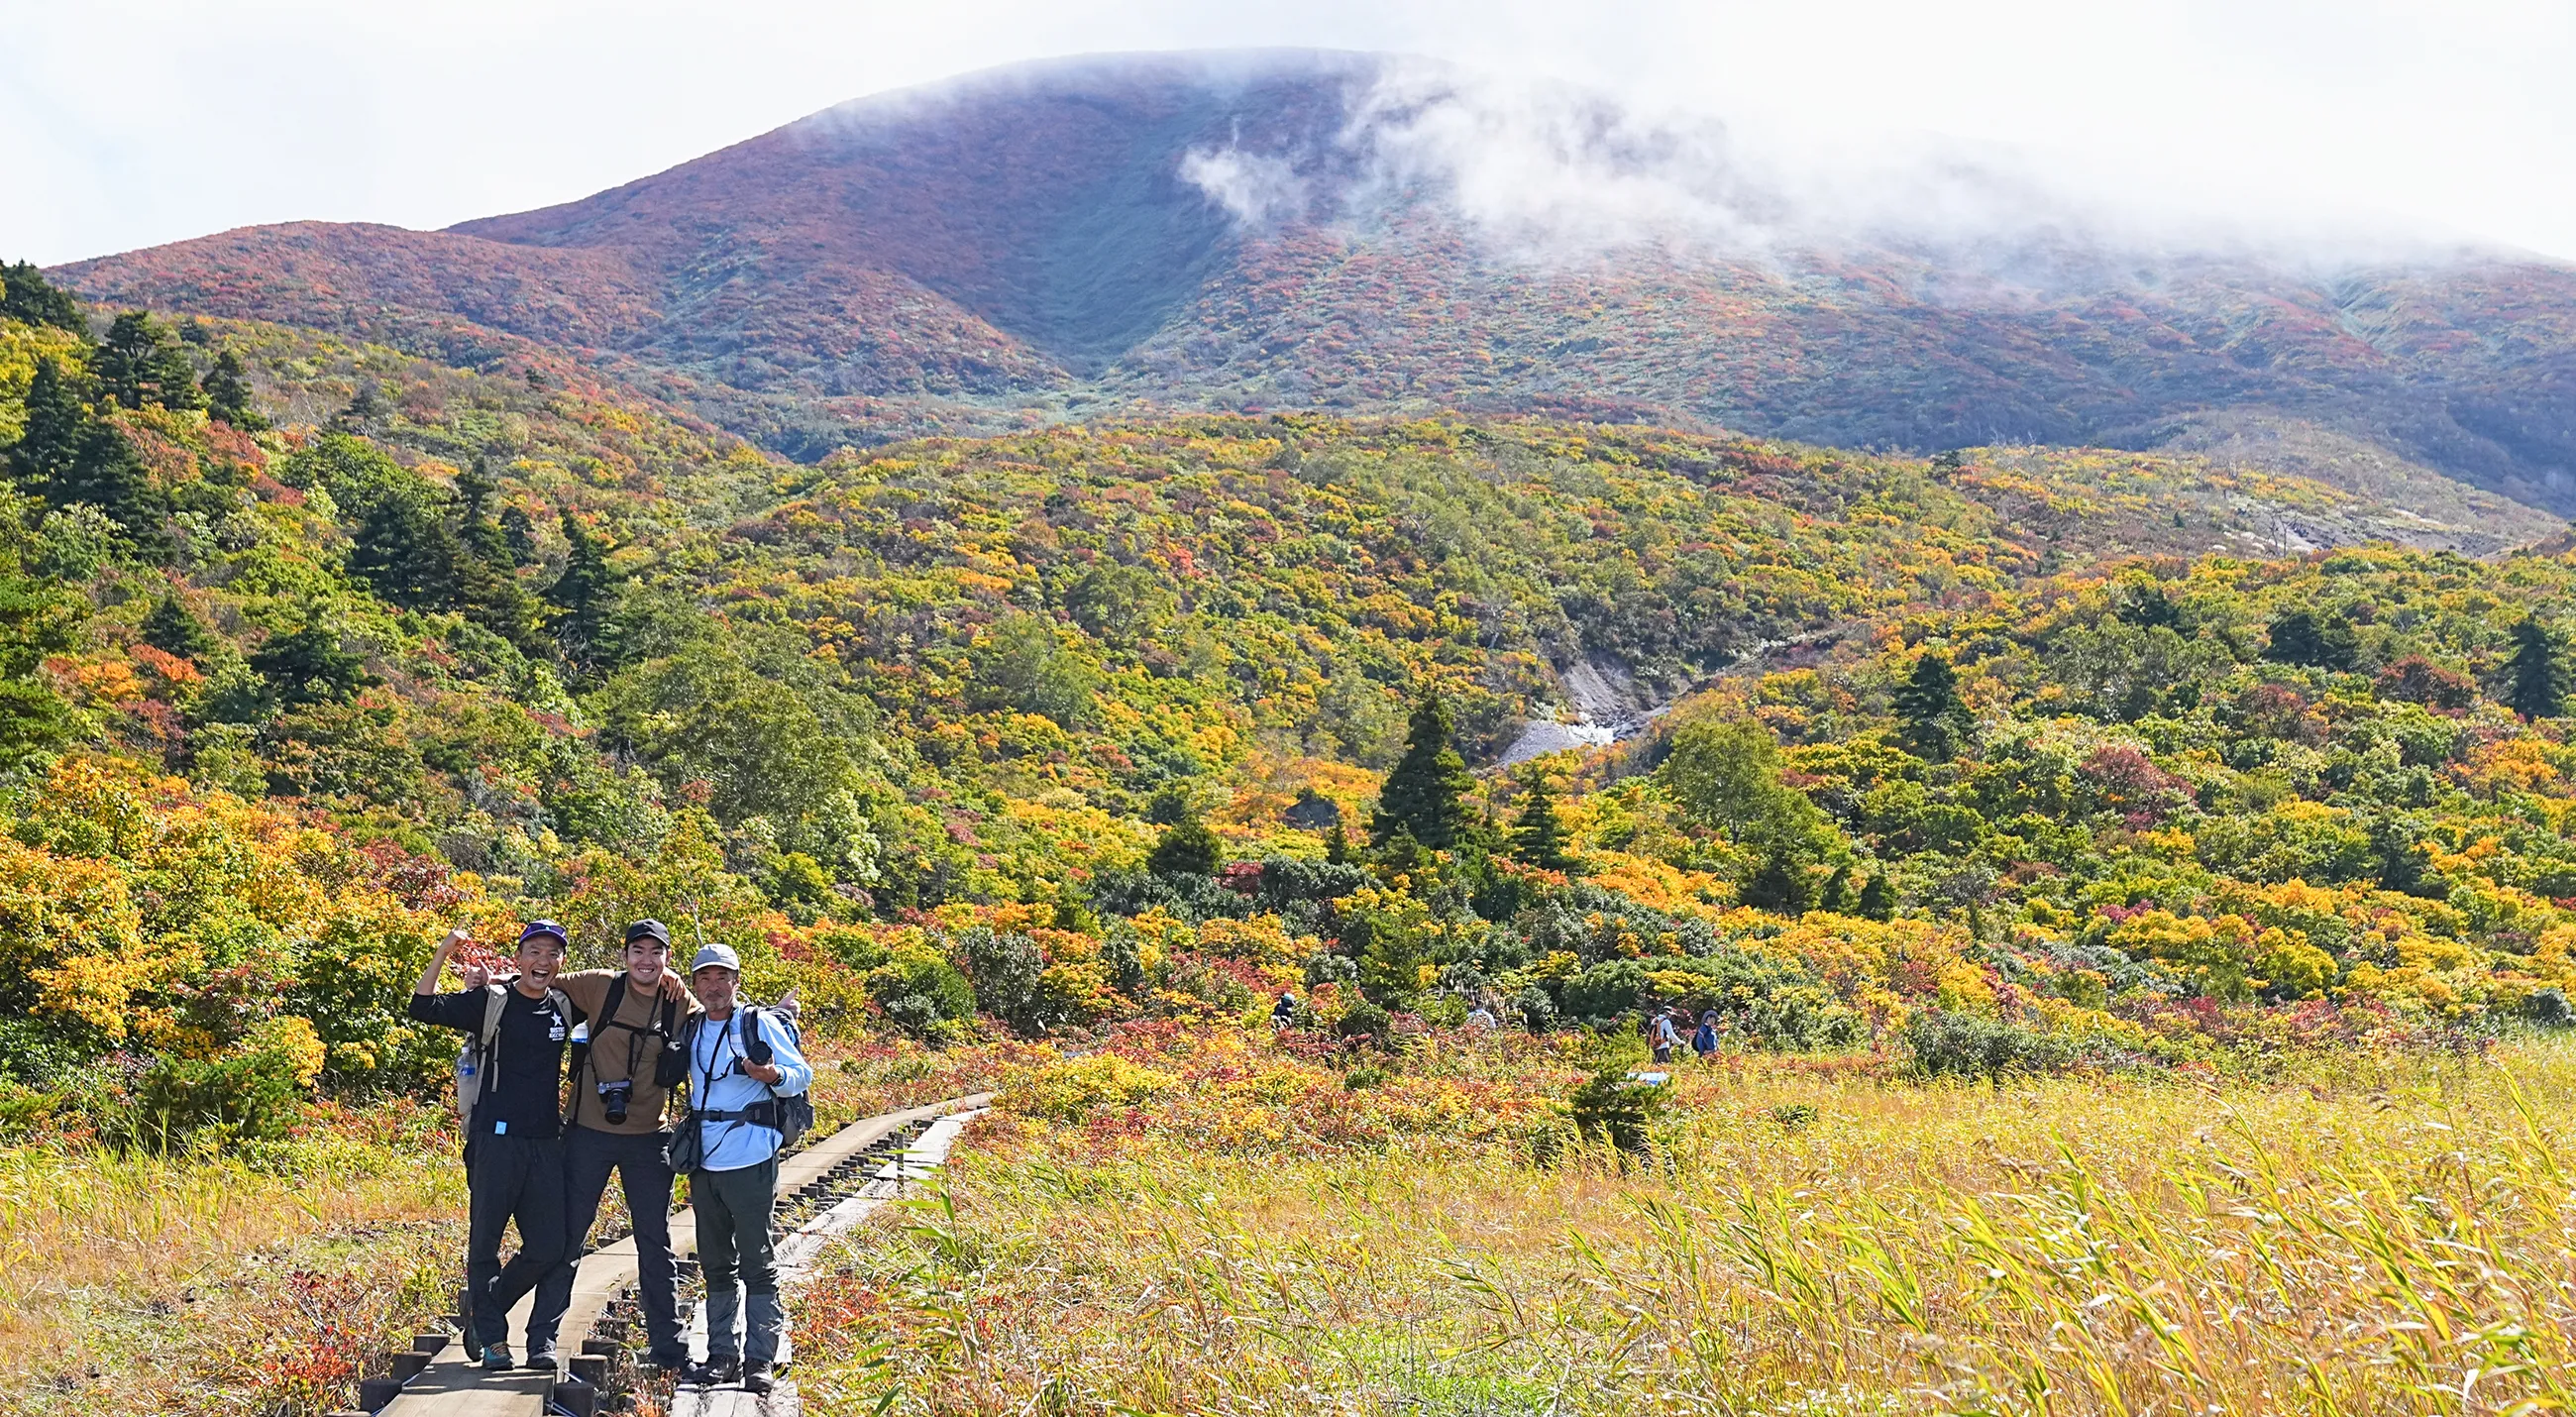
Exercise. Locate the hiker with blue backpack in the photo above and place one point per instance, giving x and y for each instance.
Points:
(509, 1094)
(746, 1075)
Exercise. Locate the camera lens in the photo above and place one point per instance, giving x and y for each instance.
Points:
(612, 1099)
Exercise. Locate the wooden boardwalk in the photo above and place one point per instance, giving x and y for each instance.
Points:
(450, 1386)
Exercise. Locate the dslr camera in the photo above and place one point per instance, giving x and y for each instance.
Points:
(613, 1097)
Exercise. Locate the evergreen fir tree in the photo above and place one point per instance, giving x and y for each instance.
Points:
(1188, 848)
(42, 459)
(2537, 674)
(1877, 898)
(1426, 794)
(519, 534)
(141, 362)
(228, 395)
(172, 629)
(1337, 846)
(107, 473)
(1936, 718)
(36, 621)
(1538, 834)
(307, 665)
(2305, 637)
(404, 550)
(26, 295)
(1780, 883)
(1837, 894)
(584, 598)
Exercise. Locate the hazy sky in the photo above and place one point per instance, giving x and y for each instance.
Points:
(125, 123)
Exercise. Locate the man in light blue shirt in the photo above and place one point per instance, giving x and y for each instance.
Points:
(733, 1101)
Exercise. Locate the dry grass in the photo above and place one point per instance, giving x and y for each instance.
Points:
(2385, 1236)
(261, 1284)
(203, 1283)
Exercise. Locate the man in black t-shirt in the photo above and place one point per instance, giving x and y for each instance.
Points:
(514, 1161)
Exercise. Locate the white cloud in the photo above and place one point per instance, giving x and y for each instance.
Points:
(1258, 189)
(128, 122)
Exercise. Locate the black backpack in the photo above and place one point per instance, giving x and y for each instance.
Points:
(791, 1116)
(670, 1061)
(795, 1113)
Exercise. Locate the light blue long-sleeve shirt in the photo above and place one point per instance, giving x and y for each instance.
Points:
(717, 1083)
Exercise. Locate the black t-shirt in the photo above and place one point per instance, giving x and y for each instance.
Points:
(523, 1097)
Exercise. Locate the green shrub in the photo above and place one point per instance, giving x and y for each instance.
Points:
(1616, 1109)
(254, 1093)
(1365, 1020)
(1946, 1044)
(919, 991)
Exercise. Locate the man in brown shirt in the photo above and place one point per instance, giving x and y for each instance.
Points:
(616, 1123)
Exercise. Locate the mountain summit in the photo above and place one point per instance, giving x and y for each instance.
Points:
(1281, 229)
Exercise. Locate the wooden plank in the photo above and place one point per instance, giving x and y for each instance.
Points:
(453, 1387)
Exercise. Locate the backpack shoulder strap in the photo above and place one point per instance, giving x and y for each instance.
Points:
(755, 1039)
(616, 1000)
(496, 999)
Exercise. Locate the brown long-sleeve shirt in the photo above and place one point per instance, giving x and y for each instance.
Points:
(618, 1044)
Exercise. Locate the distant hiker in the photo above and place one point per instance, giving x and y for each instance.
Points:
(1283, 1014)
(615, 1123)
(1480, 1018)
(1664, 1037)
(510, 1085)
(1704, 1038)
(744, 1070)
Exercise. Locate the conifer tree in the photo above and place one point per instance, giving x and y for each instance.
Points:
(2537, 673)
(1877, 898)
(1426, 793)
(584, 598)
(1538, 834)
(107, 473)
(1780, 883)
(1936, 717)
(172, 629)
(56, 420)
(1188, 848)
(228, 395)
(1337, 845)
(403, 548)
(142, 363)
(26, 295)
(1837, 894)
(308, 665)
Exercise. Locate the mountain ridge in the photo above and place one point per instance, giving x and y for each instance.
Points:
(1229, 232)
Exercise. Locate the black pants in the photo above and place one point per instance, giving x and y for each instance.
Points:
(513, 1179)
(589, 1155)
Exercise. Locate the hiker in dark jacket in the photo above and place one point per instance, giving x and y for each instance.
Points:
(513, 1144)
(616, 1123)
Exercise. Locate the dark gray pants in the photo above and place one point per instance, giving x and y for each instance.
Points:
(733, 1209)
(589, 1156)
(521, 1180)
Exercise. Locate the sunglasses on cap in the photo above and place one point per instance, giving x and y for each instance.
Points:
(536, 928)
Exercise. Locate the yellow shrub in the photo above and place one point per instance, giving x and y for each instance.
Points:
(1069, 1090)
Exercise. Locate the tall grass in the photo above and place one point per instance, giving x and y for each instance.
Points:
(204, 1282)
(2385, 1237)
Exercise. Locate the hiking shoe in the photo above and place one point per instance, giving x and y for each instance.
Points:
(714, 1372)
(666, 1362)
(756, 1379)
(541, 1358)
(496, 1356)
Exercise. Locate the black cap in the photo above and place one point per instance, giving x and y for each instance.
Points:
(648, 930)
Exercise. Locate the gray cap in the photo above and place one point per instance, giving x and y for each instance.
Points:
(716, 954)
